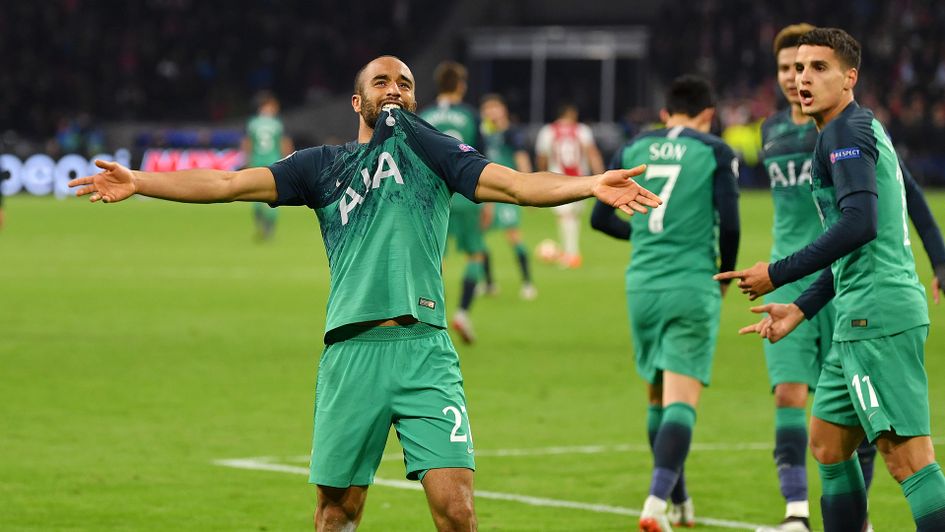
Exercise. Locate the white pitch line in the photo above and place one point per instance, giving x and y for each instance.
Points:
(590, 449)
(255, 464)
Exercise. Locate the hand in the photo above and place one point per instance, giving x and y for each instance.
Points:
(754, 281)
(113, 183)
(617, 189)
(780, 321)
(936, 286)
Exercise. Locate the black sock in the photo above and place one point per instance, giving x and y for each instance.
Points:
(522, 254)
(866, 454)
(469, 291)
(487, 266)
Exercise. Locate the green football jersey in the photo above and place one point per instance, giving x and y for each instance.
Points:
(877, 291)
(265, 135)
(675, 245)
(383, 209)
(501, 146)
(788, 152)
(461, 122)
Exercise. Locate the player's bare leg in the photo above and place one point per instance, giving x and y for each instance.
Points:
(911, 461)
(570, 225)
(339, 509)
(905, 456)
(843, 502)
(450, 496)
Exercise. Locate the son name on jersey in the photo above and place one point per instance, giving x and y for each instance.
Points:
(386, 167)
(667, 150)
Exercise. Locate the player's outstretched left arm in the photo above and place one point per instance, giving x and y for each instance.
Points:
(545, 189)
(925, 225)
(116, 183)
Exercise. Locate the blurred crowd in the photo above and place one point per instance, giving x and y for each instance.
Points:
(902, 76)
(75, 60)
(75, 64)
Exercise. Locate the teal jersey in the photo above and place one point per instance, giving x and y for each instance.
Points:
(877, 291)
(501, 146)
(383, 209)
(788, 153)
(265, 136)
(461, 122)
(675, 245)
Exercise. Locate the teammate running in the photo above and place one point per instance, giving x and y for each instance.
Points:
(567, 146)
(459, 120)
(382, 202)
(265, 143)
(873, 382)
(674, 311)
(505, 144)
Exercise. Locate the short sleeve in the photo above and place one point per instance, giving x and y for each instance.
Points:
(298, 178)
(585, 134)
(456, 162)
(543, 142)
(849, 150)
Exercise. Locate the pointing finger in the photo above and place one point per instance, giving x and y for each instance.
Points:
(81, 181)
(729, 275)
(106, 165)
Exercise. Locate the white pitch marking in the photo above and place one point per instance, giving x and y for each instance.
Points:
(591, 449)
(256, 464)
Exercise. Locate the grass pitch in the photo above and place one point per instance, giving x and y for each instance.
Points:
(143, 341)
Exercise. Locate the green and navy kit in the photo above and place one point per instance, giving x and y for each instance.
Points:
(788, 149)
(501, 146)
(461, 122)
(265, 135)
(383, 209)
(877, 292)
(681, 242)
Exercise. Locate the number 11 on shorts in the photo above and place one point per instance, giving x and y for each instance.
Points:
(874, 403)
(458, 415)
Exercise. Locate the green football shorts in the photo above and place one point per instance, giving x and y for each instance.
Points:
(407, 377)
(674, 330)
(466, 227)
(506, 216)
(799, 356)
(879, 384)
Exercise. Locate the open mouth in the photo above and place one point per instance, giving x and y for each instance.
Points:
(389, 105)
(806, 97)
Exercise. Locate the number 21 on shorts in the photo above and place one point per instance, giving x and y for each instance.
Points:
(459, 414)
(874, 403)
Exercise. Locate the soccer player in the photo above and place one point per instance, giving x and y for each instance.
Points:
(382, 202)
(567, 146)
(794, 363)
(873, 381)
(265, 143)
(674, 311)
(459, 120)
(505, 144)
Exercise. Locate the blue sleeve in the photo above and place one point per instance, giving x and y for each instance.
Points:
(856, 227)
(725, 198)
(299, 179)
(515, 138)
(604, 219)
(817, 295)
(850, 149)
(923, 220)
(457, 163)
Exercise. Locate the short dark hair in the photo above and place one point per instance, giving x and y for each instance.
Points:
(689, 95)
(448, 75)
(788, 36)
(846, 48)
(566, 106)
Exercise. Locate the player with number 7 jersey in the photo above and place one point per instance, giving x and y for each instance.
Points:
(676, 249)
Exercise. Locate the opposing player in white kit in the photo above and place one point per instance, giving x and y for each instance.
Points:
(567, 146)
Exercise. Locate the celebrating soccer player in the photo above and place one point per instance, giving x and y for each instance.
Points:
(873, 380)
(674, 311)
(382, 202)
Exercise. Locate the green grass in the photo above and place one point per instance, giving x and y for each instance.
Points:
(139, 342)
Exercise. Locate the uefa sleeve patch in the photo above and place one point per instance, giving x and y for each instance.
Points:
(466, 147)
(844, 153)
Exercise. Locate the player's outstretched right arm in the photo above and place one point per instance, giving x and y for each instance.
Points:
(116, 182)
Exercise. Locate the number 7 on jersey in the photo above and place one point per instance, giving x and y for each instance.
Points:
(670, 172)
